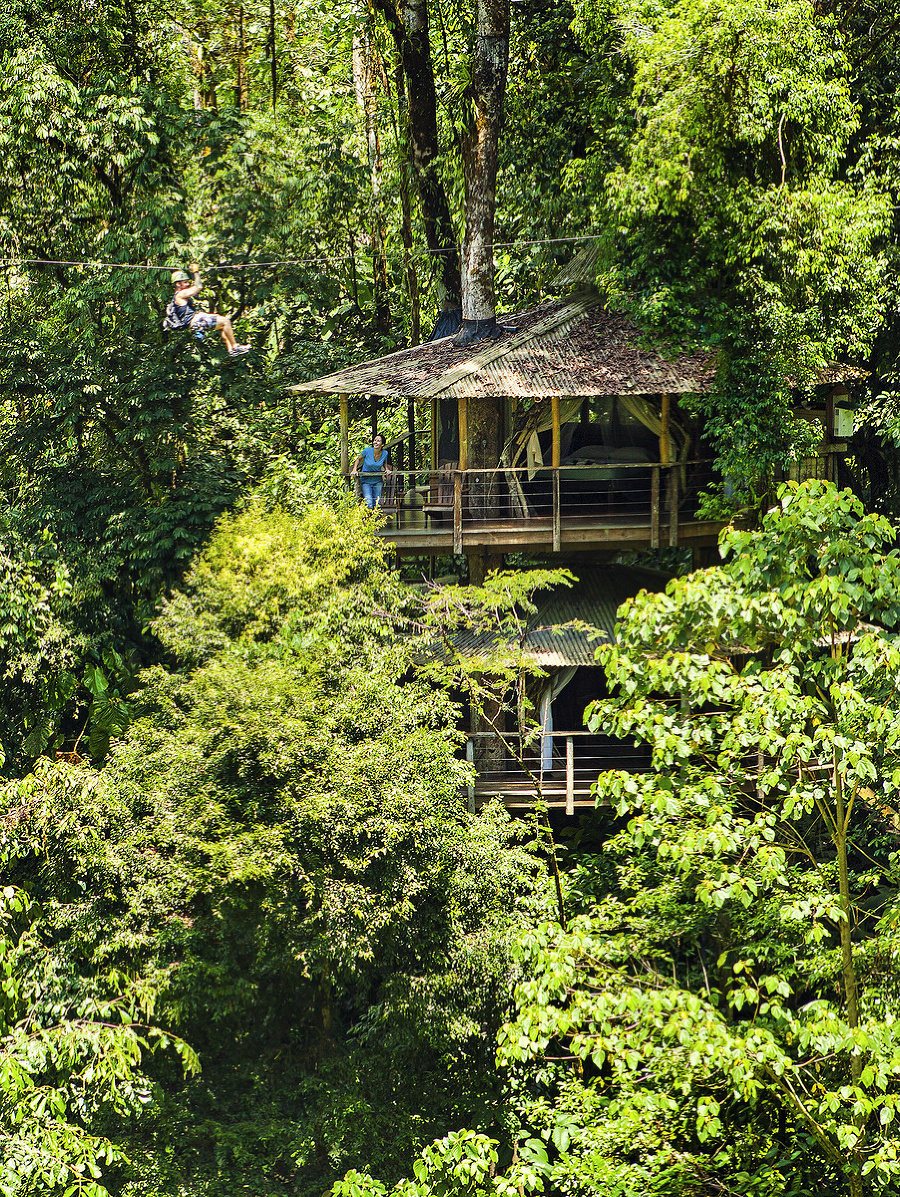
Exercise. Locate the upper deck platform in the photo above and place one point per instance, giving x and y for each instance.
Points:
(630, 506)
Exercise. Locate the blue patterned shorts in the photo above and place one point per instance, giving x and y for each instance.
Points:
(203, 321)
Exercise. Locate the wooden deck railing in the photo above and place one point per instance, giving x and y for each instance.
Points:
(658, 496)
(560, 767)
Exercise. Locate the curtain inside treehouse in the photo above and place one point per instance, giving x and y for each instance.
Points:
(524, 440)
(554, 685)
(650, 416)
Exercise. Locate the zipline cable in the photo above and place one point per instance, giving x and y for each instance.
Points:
(287, 261)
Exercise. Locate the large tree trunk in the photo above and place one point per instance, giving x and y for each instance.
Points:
(409, 29)
(479, 152)
(483, 444)
(364, 84)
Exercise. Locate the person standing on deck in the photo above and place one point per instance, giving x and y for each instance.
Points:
(371, 466)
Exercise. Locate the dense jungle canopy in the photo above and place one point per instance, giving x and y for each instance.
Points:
(252, 939)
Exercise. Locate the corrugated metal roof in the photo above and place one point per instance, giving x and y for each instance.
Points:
(572, 621)
(562, 347)
(439, 367)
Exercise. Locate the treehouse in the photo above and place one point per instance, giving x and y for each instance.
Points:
(567, 433)
(555, 756)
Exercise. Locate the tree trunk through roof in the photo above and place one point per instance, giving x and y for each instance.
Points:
(484, 442)
(479, 155)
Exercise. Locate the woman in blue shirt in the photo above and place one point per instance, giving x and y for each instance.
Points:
(371, 466)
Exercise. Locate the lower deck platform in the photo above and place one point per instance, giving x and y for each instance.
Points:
(519, 793)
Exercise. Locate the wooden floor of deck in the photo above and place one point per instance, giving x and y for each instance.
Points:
(518, 792)
(576, 532)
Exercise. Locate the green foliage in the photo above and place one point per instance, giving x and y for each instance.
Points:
(733, 211)
(232, 776)
(496, 615)
(463, 1163)
(151, 140)
(60, 689)
(37, 652)
(480, 651)
(64, 1058)
(235, 798)
(727, 991)
(278, 846)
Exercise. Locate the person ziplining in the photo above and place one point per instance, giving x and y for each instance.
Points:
(181, 313)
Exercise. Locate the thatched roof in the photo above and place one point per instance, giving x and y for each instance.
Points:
(572, 347)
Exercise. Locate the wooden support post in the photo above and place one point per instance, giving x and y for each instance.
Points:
(373, 413)
(411, 429)
(470, 757)
(829, 414)
(457, 511)
(434, 434)
(463, 435)
(665, 442)
(557, 530)
(654, 508)
(570, 776)
(673, 506)
(345, 436)
(557, 522)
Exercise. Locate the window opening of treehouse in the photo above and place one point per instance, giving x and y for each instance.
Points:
(448, 431)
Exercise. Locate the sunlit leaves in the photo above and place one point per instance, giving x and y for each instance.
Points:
(733, 212)
(279, 843)
(462, 1164)
(766, 689)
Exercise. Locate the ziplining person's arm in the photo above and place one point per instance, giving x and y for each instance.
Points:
(195, 288)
